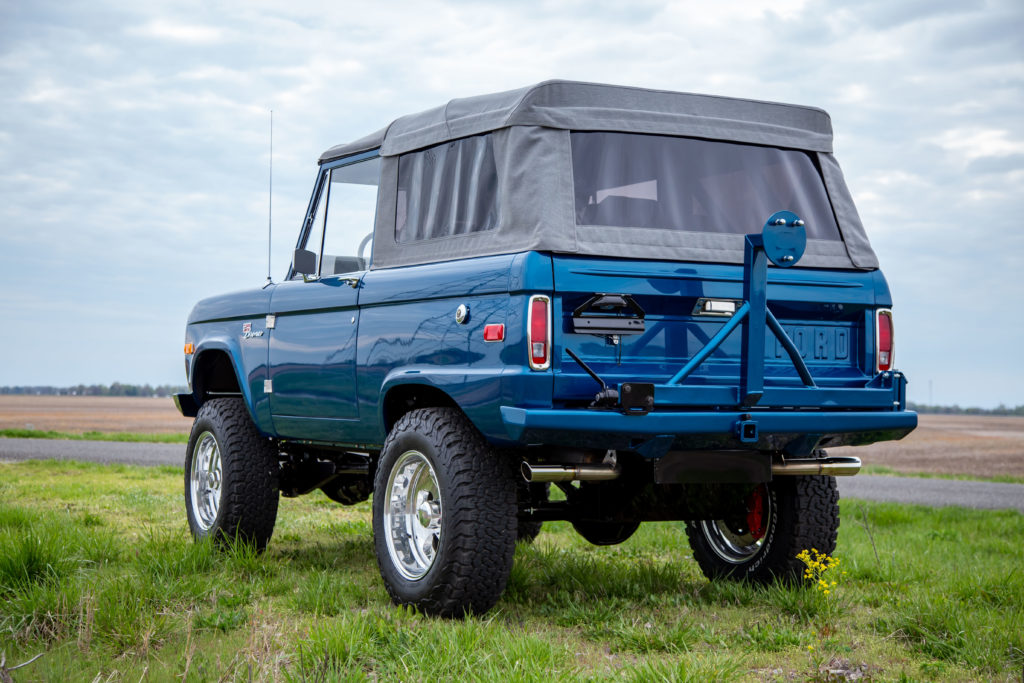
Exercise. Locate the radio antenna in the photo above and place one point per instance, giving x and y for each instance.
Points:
(270, 199)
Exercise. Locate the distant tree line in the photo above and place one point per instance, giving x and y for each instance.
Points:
(115, 389)
(957, 410)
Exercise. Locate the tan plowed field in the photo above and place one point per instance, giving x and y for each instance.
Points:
(950, 444)
(978, 445)
(92, 413)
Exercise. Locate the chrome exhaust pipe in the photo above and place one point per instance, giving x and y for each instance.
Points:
(837, 467)
(547, 473)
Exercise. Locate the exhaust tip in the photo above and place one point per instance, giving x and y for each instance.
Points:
(842, 466)
(555, 473)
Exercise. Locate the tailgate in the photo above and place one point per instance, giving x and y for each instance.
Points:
(826, 313)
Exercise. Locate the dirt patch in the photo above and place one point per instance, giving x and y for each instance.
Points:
(92, 413)
(977, 445)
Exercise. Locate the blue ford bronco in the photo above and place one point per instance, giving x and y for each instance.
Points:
(664, 304)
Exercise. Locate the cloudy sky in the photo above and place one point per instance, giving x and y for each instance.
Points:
(134, 148)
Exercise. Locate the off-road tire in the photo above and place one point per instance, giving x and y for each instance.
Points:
(477, 536)
(249, 486)
(805, 515)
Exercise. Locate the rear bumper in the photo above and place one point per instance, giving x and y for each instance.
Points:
(793, 431)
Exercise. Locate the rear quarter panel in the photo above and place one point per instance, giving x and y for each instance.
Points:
(408, 335)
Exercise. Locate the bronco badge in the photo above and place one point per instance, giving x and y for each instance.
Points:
(247, 332)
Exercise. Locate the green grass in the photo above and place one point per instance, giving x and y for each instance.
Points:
(883, 469)
(98, 573)
(133, 437)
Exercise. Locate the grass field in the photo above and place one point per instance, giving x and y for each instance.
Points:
(97, 572)
(131, 437)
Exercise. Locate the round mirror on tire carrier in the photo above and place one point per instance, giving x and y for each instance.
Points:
(444, 515)
(784, 238)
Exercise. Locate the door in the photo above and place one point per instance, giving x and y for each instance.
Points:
(313, 342)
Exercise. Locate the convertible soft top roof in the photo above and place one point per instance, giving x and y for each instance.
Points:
(530, 129)
(571, 105)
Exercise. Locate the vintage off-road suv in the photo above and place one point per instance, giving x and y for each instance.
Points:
(568, 284)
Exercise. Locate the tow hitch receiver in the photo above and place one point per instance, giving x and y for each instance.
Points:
(746, 430)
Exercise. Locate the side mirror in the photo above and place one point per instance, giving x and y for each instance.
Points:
(304, 262)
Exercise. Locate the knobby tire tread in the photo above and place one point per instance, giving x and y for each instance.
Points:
(249, 497)
(479, 532)
(807, 509)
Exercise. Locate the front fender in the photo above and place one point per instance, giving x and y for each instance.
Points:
(250, 379)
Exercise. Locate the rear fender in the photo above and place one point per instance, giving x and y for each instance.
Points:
(476, 392)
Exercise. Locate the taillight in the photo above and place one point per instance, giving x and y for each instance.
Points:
(884, 339)
(539, 337)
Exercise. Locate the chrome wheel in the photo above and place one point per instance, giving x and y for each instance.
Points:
(412, 515)
(205, 480)
(739, 539)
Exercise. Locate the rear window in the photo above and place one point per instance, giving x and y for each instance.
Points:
(671, 183)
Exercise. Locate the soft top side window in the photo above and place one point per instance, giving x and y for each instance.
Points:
(446, 190)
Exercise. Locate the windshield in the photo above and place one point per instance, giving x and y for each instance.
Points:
(672, 183)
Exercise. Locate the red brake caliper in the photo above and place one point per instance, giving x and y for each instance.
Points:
(755, 513)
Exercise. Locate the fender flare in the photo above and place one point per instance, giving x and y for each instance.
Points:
(232, 350)
(404, 377)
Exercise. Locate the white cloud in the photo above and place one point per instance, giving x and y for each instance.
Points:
(99, 51)
(726, 14)
(165, 29)
(976, 143)
(984, 195)
(213, 72)
(46, 91)
(854, 93)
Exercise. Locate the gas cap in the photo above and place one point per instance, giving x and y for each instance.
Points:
(462, 314)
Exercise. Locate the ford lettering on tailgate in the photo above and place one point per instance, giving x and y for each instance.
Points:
(815, 342)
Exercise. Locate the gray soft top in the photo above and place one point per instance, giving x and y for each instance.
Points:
(531, 128)
(592, 106)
